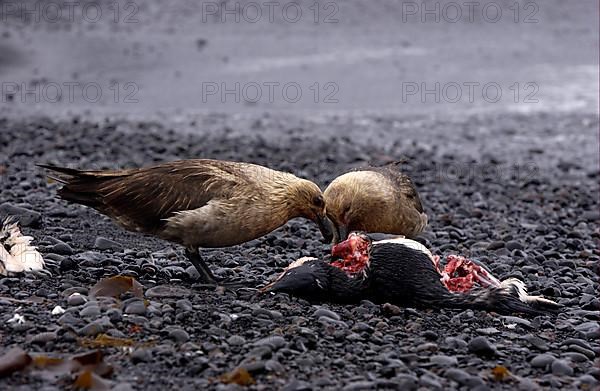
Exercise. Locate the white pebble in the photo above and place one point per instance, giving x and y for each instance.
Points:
(58, 310)
(17, 318)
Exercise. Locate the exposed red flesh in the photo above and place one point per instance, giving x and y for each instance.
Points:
(352, 254)
(458, 275)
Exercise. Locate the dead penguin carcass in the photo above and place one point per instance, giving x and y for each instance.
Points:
(404, 272)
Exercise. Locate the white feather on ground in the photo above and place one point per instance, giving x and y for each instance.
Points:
(16, 252)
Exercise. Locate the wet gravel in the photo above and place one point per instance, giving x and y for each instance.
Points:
(537, 221)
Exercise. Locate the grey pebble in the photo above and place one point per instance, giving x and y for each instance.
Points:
(354, 337)
(90, 311)
(96, 327)
(136, 307)
(589, 330)
(429, 382)
(359, 386)
(55, 257)
(481, 346)
(122, 387)
(542, 360)
(458, 375)
(76, 300)
(43, 338)
(455, 342)
(67, 264)
(90, 258)
(190, 271)
(443, 361)
(362, 327)
(179, 335)
(184, 305)
(61, 249)
(579, 349)
(576, 357)
(591, 215)
(141, 355)
(236, 340)
(528, 385)
(275, 342)
(115, 333)
(330, 321)
(517, 320)
(102, 243)
(430, 335)
(255, 366)
(323, 312)
(391, 309)
(261, 351)
(514, 245)
(427, 347)
(488, 331)
(495, 245)
(137, 319)
(586, 381)
(274, 366)
(69, 319)
(537, 342)
(75, 289)
(174, 272)
(153, 310)
(267, 313)
(297, 385)
(561, 368)
(114, 314)
(161, 291)
(403, 382)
